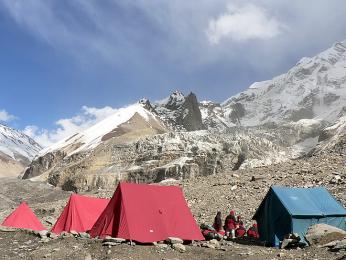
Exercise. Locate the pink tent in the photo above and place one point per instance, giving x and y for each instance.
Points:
(79, 214)
(23, 217)
(147, 213)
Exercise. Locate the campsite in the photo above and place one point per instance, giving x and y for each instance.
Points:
(204, 197)
(172, 129)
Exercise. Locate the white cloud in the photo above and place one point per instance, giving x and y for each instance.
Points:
(5, 116)
(69, 126)
(243, 23)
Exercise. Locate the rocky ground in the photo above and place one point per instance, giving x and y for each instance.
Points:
(24, 245)
(240, 190)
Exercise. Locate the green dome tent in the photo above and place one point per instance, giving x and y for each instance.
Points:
(287, 210)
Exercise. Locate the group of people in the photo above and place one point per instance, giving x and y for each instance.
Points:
(232, 227)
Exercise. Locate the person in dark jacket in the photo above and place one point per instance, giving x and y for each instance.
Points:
(238, 219)
(217, 222)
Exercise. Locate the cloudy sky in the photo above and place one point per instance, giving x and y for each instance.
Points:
(66, 64)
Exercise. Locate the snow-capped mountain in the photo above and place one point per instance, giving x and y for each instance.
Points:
(315, 88)
(17, 145)
(124, 121)
(16, 151)
(179, 137)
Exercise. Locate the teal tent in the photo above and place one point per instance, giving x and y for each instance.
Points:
(287, 210)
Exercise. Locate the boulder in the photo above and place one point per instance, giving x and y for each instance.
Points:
(179, 247)
(215, 243)
(323, 233)
(174, 240)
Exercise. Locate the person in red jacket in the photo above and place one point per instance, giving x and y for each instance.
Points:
(240, 231)
(253, 231)
(230, 224)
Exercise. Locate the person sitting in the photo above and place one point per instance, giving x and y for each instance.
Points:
(240, 231)
(218, 224)
(253, 231)
(209, 232)
(238, 219)
(230, 224)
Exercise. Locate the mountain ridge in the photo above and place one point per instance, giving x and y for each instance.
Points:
(179, 137)
(16, 151)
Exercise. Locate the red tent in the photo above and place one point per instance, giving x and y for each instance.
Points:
(23, 217)
(147, 213)
(79, 214)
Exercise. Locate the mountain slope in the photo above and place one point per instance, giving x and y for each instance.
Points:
(16, 151)
(315, 88)
(178, 137)
(111, 126)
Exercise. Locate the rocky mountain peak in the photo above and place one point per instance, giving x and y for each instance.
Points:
(175, 100)
(180, 112)
(146, 104)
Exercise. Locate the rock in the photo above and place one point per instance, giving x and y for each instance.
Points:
(74, 233)
(179, 247)
(7, 229)
(53, 235)
(174, 240)
(44, 240)
(336, 246)
(43, 233)
(215, 243)
(84, 235)
(114, 239)
(87, 257)
(108, 243)
(330, 244)
(66, 234)
(50, 220)
(211, 246)
(162, 246)
(321, 232)
(234, 187)
(340, 245)
(286, 242)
